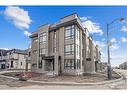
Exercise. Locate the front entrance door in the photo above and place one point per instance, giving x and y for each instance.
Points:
(12, 64)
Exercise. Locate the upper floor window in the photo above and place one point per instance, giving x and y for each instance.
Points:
(43, 37)
(87, 51)
(77, 32)
(77, 50)
(69, 49)
(42, 51)
(54, 34)
(54, 49)
(35, 40)
(69, 32)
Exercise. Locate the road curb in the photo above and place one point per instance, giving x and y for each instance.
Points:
(67, 83)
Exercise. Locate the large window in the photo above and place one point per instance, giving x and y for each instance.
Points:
(54, 47)
(40, 63)
(43, 37)
(87, 51)
(77, 50)
(42, 51)
(69, 63)
(69, 32)
(77, 33)
(69, 49)
(78, 64)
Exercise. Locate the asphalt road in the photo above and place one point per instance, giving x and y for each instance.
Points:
(13, 84)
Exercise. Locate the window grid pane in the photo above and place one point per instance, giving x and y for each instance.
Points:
(69, 64)
(69, 49)
(69, 32)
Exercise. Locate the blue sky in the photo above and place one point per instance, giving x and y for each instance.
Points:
(15, 29)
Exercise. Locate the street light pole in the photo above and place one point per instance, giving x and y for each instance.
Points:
(109, 69)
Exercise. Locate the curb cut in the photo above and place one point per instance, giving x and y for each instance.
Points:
(68, 83)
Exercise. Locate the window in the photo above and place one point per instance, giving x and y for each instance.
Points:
(77, 49)
(69, 32)
(40, 64)
(69, 49)
(43, 37)
(21, 63)
(87, 51)
(42, 51)
(69, 64)
(78, 64)
(54, 47)
(77, 32)
(35, 40)
(54, 34)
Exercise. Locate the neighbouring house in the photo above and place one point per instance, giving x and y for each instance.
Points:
(15, 59)
(123, 66)
(64, 48)
(3, 59)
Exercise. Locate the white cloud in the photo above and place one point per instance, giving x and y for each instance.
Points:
(123, 39)
(114, 47)
(5, 48)
(84, 18)
(124, 28)
(113, 40)
(18, 16)
(103, 39)
(27, 33)
(100, 44)
(91, 26)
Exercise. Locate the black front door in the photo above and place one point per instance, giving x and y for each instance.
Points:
(59, 66)
(12, 64)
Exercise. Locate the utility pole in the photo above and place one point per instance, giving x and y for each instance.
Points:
(109, 71)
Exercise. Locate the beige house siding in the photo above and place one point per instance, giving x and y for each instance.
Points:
(55, 56)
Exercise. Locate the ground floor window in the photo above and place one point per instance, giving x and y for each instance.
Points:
(40, 64)
(78, 64)
(49, 65)
(69, 63)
